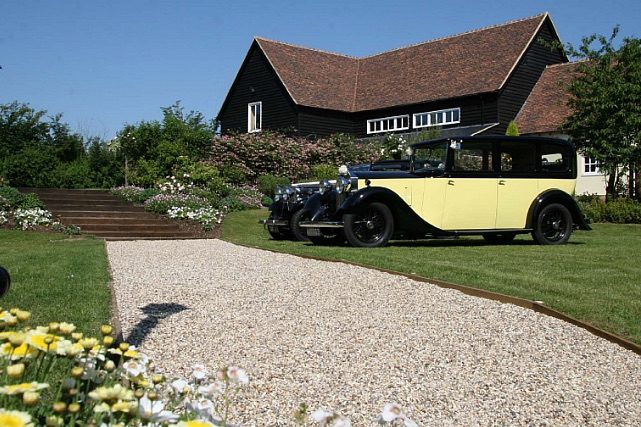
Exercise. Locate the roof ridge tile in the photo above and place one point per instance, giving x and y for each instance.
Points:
(477, 30)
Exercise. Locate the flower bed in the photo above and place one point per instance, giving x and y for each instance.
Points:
(181, 198)
(56, 376)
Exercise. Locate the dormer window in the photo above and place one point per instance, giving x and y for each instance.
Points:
(254, 116)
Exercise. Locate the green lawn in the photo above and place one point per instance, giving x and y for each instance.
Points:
(596, 277)
(57, 278)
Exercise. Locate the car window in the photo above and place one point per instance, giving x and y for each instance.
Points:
(518, 157)
(555, 158)
(472, 156)
(430, 157)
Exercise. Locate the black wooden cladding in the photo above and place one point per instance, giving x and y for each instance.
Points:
(257, 81)
(518, 87)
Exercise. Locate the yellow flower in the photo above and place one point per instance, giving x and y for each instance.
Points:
(67, 328)
(88, 343)
(106, 329)
(76, 336)
(194, 423)
(112, 394)
(15, 419)
(30, 398)
(15, 371)
(44, 342)
(22, 388)
(17, 339)
(7, 317)
(23, 316)
(122, 406)
(18, 352)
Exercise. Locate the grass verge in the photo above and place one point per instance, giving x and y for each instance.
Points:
(596, 277)
(57, 278)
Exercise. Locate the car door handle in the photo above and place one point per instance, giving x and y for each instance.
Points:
(450, 182)
(501, 182)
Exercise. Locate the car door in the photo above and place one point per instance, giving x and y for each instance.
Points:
(517, 184)
(470, 190)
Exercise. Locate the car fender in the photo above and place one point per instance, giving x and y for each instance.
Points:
(315, 208)
(557, 196)
(404, 216)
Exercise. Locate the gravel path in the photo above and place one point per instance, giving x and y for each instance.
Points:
(352, 339)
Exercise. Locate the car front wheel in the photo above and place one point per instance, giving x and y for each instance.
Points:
(371, 227)
(277, 233)
(553, 225)
(294, 225)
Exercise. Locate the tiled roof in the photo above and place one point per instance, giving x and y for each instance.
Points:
(546, 108)
(478, 61)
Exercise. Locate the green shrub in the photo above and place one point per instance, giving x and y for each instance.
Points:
(76, 174)
(11, 195)
(30, 201)
(324, 171)
(618, 211)
(146, 173)
(233, 175)
(267, 184)
(31, 167)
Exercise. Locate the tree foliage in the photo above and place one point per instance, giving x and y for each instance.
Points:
(153, 148)
(37, 150)
(606, 103)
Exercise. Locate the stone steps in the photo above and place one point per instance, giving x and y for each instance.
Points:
(99, 213)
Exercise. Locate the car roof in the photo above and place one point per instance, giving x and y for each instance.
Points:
(525, 139)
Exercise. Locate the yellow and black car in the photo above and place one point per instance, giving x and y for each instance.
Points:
(496, 187)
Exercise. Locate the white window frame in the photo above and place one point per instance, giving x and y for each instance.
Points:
(389, 129)
(588, 162)
(258, 124)
(416, 116)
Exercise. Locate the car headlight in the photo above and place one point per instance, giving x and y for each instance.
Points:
(324, 186)
(342, 184)
(287, 192)
(279, 190)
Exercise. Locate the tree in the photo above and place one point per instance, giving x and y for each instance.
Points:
(153, 148)
(512, 129)
(606, 94)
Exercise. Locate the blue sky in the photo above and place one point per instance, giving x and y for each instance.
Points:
(106, 63)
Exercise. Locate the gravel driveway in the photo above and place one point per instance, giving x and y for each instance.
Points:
(352, 339)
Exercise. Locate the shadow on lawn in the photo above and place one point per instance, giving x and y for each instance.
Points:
(442, 243)
(155, 313)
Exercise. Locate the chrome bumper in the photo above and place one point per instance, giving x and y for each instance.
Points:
(274, 222)
(323, 224)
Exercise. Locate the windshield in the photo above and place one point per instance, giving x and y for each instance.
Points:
(430, 157)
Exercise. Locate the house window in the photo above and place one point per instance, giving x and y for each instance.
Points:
(437, 118)
(254, 116)
(591, 166)
(388, 124)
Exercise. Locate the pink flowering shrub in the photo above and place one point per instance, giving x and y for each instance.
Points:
(272, 153)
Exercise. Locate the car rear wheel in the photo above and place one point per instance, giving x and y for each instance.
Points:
(499, 238)
(553, 225)
(371, 227)
(294, 225)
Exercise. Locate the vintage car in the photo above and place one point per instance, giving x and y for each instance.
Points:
(287, 210)
(496, 187)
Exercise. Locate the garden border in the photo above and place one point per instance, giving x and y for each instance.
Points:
(482, 293)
